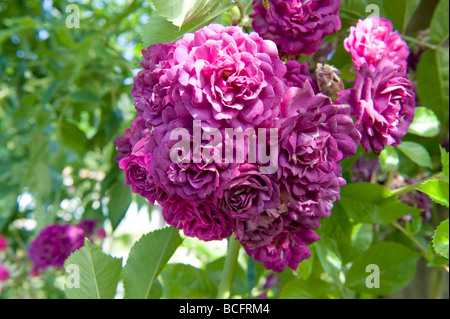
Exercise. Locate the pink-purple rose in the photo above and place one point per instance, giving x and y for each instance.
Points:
(201, 220)
(383, 102)
(374, 39)
(54, 244)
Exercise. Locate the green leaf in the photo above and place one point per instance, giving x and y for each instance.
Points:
(440, 239)
(251, 274)
(98, 273)
(372, 204)
(312, 288)
(185, 281)
(432, 82)
(437, 190)
(425, 123)
(306, 266)
(417, 153)
(85, 96)
(400, 11)
(421, 18)
(388, 158)
(362, 236)
(360, 9)
(337, 226)
(439, 24)
(159, 30)
(73, 137)
(444, 162)
(330, 258)
(120, 199)
(396, 265)
(181, 12)
(147, 258)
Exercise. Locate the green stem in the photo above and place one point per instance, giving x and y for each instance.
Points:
(422, 248)
(421, 43)
(413, 187)
(229, 268)
(353, 13)
(435, 286)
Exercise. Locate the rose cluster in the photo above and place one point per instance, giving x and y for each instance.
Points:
(382, 97)
(220, 91)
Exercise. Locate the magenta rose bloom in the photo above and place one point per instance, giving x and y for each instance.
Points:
(137, 171)
(125, 144)
(374, 39)
(296, 26)
(182, 176)
(364, 169)
(3, 243)
(278, 238)
(227, 78)
(202, 220)
(383, 103)
(259, 230)
(4, 274)
(315, 134)
(297, 74)
(54, 244)
(313, 195)
(151, 86)
(287, 249)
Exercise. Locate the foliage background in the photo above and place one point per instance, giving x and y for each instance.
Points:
(64, 97)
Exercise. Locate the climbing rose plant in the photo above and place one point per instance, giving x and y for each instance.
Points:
(298, 130)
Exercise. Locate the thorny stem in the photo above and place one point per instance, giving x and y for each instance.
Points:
(424, 44)
(229, 268)
(413, 187)
(422, 248)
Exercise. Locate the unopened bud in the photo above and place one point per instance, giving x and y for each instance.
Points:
(328, 79)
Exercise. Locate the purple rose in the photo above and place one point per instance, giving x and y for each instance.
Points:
(258, 231)
(249, 194)
(287, 249)
(191, 180)
(124, 144)
(54, 244)
(296, 26)
(3, 243)
(364, 169)
(151, 86)
(202, 220)
(4, 274)
(137, 172)
(315, 134)
(313, 196)
(297, 74)
(383, 103)
(88, 226)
